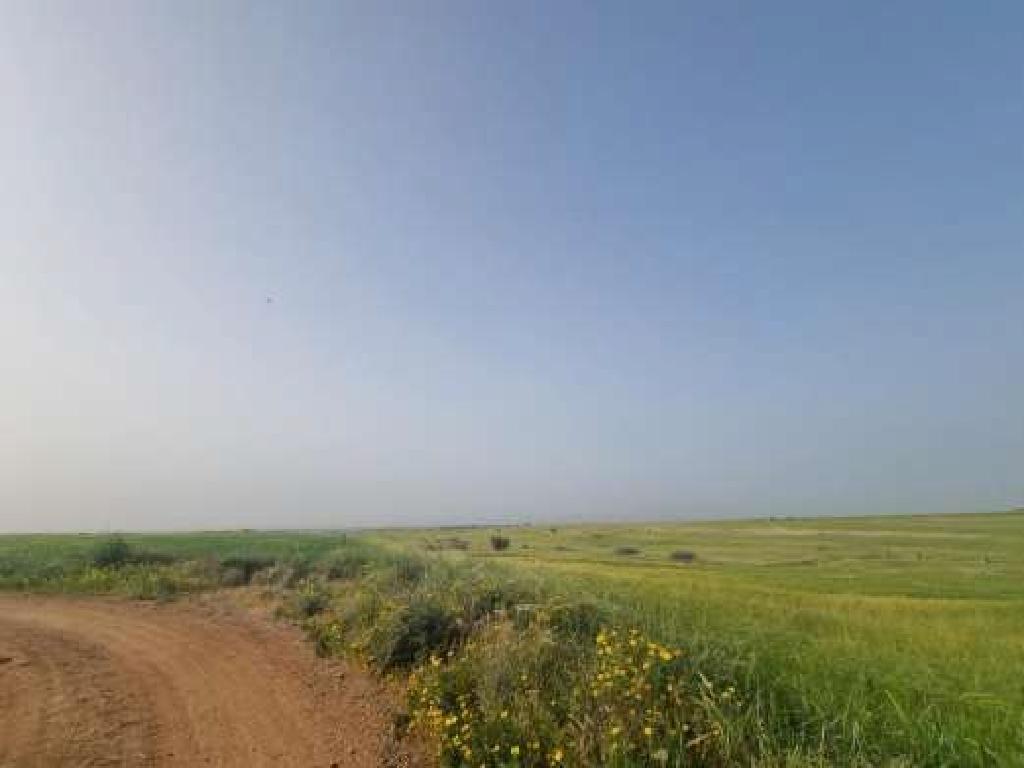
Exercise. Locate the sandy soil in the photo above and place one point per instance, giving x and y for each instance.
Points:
(88, 682)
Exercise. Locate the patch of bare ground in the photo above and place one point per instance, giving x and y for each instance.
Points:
(91, 682)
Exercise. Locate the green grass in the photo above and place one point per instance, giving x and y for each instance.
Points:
(853, 642)
(881, 637)
(161, 565)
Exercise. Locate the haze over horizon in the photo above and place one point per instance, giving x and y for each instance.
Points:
(347, 264)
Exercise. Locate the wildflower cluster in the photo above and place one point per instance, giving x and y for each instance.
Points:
(524, 696)
(329, 636)
(502, 677)
(646, 704)
(483, 714)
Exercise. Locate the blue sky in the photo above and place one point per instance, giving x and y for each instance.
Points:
(527, 260)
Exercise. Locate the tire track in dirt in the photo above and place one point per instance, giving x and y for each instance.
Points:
(86, 682)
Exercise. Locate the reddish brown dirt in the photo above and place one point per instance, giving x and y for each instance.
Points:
(87, 682)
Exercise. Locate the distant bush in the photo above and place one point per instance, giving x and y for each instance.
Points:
(500, 543)
(115, 552)
(627, 551)
(112, 553)
(683, 556)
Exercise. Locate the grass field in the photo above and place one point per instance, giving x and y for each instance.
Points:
(888, 636)
(853, 641)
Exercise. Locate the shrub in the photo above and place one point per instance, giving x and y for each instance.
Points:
(112, 553)
(299, 568)
(115, 552)
(500, 543)
(683, 556)
(412, 633)
(311, 602)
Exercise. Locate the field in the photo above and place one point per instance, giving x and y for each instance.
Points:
(891, 636)
(856, 641)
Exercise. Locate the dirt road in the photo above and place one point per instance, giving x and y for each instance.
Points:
(86, 682)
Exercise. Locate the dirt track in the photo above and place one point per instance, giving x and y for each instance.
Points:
(112, 683)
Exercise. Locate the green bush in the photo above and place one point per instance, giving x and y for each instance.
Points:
(311, 602)
(683, 556)
(111, 553)
(412, 632)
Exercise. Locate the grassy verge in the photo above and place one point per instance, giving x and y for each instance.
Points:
(509, 670)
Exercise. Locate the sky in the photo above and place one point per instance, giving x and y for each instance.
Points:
(377, 263)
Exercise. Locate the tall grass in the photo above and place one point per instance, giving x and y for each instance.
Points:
(866, 641)
(503, 668)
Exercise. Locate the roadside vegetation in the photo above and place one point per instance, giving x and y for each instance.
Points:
(158, 566)
(854, 642)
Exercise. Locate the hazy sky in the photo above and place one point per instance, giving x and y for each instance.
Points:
(526, 260)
